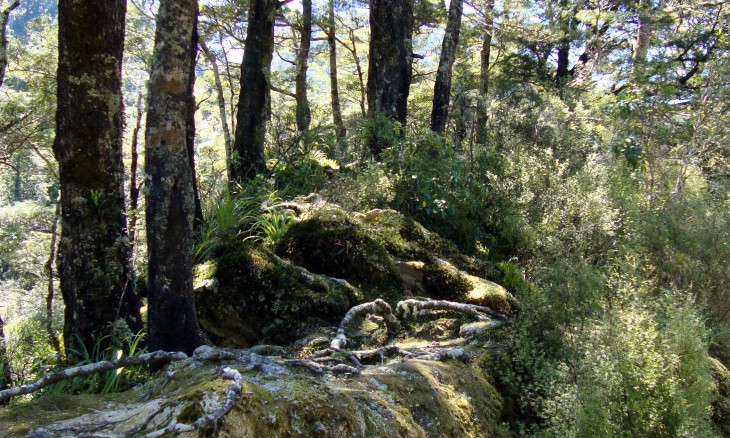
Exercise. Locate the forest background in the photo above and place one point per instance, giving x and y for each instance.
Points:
(585, 154)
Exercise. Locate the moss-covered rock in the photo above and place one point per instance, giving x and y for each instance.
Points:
(443, 280)
(330, 243)
(412, 398)
(247, 295)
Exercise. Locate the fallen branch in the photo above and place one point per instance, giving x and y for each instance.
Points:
(87, 370)
(232, 395)
(378, 307)
(412, 307)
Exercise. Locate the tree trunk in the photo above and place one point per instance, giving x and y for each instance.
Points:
(303, 112)
(442, 87)
(389, 69)
(94, 251)
(6, 379)
(173, 324)
(221, 105)
(4, 16)
(481, 128)
(133, 185)
(253, 100)
(567, 27)
(51, 286)
(643, 33)
(360, 74)
(340, 130)
(190, 125)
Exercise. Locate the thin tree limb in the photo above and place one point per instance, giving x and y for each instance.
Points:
(86, 370)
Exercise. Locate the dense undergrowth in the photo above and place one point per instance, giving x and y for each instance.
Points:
(622, 278)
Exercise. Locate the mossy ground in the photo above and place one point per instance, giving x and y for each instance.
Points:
(409, 398)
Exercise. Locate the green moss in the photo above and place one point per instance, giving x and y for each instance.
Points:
(330, 243)
(258, 297)
(444, 281)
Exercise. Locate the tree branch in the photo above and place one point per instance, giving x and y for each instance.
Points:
(87, 370)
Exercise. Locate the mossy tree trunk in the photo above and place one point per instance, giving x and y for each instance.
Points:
(389, 69)
(94, 248)
(481, 128)
(253, 101)
(303, 112)
(4, 17)
(331, 29)
(173, 324)
(442, 87)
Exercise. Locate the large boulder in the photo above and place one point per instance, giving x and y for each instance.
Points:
(248, 295)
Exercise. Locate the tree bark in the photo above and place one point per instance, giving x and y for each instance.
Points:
(221, 105)
(190, 125)
(253, 100)
(133, 185)
(4, 16)
(643, 32)
(6, 379)
(389, 69)
(442, 87)
(173, 324)
(94, 251)
(486, 52)
(51, 287)
(303, 112)
(340, 130)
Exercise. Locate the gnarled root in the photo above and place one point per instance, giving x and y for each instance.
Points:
(412, 307)
(378, 307)
(232, 395)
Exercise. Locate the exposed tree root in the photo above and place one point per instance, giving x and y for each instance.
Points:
(319, 369)
(329, 360)
(381, 352)
(232, 395)
(412, 307)
(378, 307)
(87, 370)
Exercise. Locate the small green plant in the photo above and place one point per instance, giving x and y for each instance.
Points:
(120, 343)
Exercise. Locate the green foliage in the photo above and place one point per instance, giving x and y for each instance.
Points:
(437, 189)
(121, 342)
(238, 218)
(638, 372)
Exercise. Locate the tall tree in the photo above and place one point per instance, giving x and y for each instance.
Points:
(4, 17)
(643, 31)
(331, 30)
(5, 377)
(173, 325)
(93, 252)
(484, 67)
(303, 112)
(442, 87)
(389, 69)
(253, 101)
(213, 59)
